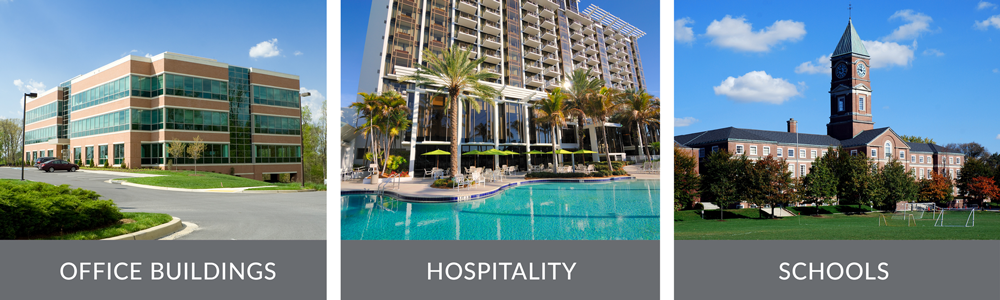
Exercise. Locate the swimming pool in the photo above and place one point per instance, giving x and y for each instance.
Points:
(619, 210)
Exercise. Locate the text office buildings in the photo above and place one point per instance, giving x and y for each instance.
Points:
(532, 45)
(127, 111)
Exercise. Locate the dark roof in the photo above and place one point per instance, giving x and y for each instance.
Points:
(850, 43)
(863, 138)
(920, 147)
(732, 133)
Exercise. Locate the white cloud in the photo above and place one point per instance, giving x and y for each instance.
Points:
(985, 24)
(149, 55)
(265, 49)
(757, 86)
(822, 66)
(130, 52)
(738, 34)
(31, 87)
(934, 52)
(998, 136)
(683, 33)
(996, 70)
(685, 121)
(297, 53)
(314, 102)
(889, 54)
(917, 23)
(984, 5)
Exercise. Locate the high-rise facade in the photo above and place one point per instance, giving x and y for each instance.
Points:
(127, 112)
(531, 45)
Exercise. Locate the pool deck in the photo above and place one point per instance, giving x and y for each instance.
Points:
(420, 190)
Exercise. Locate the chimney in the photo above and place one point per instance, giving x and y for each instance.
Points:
(793, 126)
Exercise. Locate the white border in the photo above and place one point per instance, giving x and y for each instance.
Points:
(667, 113)
(333, 211)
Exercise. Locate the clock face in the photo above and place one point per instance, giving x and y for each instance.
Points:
(841, 70)
(861, 69)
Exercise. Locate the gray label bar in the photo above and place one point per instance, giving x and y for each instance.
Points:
(398, 269)
(31, 269)
(916, 269)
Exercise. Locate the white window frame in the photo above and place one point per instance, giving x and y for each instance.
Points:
(802, 153)
(921, 159)
(753, 150)
(781, 152)
(840, 103)
(958, 160)
(875, 153)
(739, 149)
(854, 152)
(791, 152)
(812, 153)
(888, 149)
(824, 152)
(921, 173)
(861, 103)
(902, 154)
(767, 150)
(951, 160)
(791, 168)
(802, 170)
(913, 159)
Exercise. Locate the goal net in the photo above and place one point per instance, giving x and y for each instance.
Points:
(955, 217)
(923, 210)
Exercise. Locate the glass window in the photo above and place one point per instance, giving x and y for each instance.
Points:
(812, 154)
(767, 150)
(753, 150)
(791, 152)
(802, 170)
(861, 103)
(780, 151)
(874, 153)
(273, 96)
(739, 149)
(840, 104)
(715, 148)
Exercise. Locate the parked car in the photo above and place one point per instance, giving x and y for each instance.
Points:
(40, 160)
(58, 164)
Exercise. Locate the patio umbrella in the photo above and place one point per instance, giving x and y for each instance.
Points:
(437, 152)
(492, 152)
(560, 151)
(534, 152)
(508, 152)
(581, 151)
(473, 152)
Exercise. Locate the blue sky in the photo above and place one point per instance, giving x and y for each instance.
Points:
(934, 65)
(641, 14)
(49, 42)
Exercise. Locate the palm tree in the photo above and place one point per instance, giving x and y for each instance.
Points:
(607, 103)
(454, 73)
(366, 110)
(553, 110)
(385, 118)
(643, 110)
(581, 88)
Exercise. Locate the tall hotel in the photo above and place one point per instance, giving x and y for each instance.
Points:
(532, 45)
(126, 112)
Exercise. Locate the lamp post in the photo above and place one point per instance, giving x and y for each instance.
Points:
(302, 142)
(24, 116)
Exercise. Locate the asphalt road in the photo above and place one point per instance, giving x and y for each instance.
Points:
(219, 216)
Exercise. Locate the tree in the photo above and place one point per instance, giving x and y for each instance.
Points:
(313, 146)
(583, 87)
(898, 184)
(176, 148)
(983, 187)
(553, 110)
(971, 169)
(10, 140)
(722, 179)
(820, 185)
(195, 150)
(917, 139)
(971, 150)
(642, 110)
(768, 182)
(386, 117)
(686, 179)
(454, 74)
(938, 189)
(607, 103)
(857, 179)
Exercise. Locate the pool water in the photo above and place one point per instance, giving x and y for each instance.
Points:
(619, 210)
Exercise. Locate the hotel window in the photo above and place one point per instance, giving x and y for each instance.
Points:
(874, 153)
(767, 150)
(739, 149)
(913, 158)
(802, 153)
(780, 151)
(840, 103)
(753, 150)
(715, 148)
(861, 103)
(812, 154)
(902, 154)
(791, 152)
(921, 159)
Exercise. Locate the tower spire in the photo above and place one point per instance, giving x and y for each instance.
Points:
(848, 10)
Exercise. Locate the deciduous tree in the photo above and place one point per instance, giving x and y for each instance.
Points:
(686, 179)
(983, 187)
(820, 185)
(897, 184)
(175, 148)
(938, 189)
(195, 150)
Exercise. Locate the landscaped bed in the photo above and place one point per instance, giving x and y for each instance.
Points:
(33, 210)
(203, 180)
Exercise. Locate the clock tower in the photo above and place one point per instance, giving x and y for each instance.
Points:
(850, 88)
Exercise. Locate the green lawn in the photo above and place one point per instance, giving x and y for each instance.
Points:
(142, 221)
(741, 224)
(205, 180)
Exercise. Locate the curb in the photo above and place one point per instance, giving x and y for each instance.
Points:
(153, 233)
(483, 195)
(123, 182)
(276, 191)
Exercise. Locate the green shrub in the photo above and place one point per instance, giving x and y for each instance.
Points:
(315, 186)
(35, 208)
(107, 163)
(698, 206)
(124, 166)
(444, 182)
(555, 175)
(232, 171)
(603, 166)
(285, 178)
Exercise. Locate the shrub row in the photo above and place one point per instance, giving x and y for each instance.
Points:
(33, 209)
(603, 173)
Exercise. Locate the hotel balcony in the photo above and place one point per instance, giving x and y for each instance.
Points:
(589, 29)
(591, 50)
(492, 3)
(532, 41)
(466, 35)
(547, 23)
(610, 40)
(575, 25)
(492, 56)
(579, 56)
(490, 41)
(551, 58)
(622, 53)
(491, 27)
(612, 59)
(468, 20)
(619, 35)
(590, 40)
(530, 28)
(471, 48)
(581, 66)
(532, 66)
(550, 4)
(616, 78)
(468, 6)
(552, 71)
(552, 84)
(578, 46)
(550, 46)
(549, 34)
(535, 80)
(615, 68)
(545, 12)
(627, 70)
(530, 17)
(493, 69)
(532, 53)
(591, 61)
(612, 50)
(491, 14)
(529, 5)
(575, 34)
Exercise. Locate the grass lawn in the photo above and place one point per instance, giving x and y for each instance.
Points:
(740, 224)
(204, 180)
(142, 221)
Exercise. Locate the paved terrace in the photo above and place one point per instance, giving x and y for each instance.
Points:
(420, 187)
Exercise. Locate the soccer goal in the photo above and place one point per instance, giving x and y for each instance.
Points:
(898, 218)
(955, 217)
(923, 210)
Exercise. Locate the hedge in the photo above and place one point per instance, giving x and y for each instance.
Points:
(29, 209)
(603, 173)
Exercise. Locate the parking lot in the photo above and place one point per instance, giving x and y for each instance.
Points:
(219, 216)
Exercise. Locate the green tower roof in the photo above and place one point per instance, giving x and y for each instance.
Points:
(850, 43)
